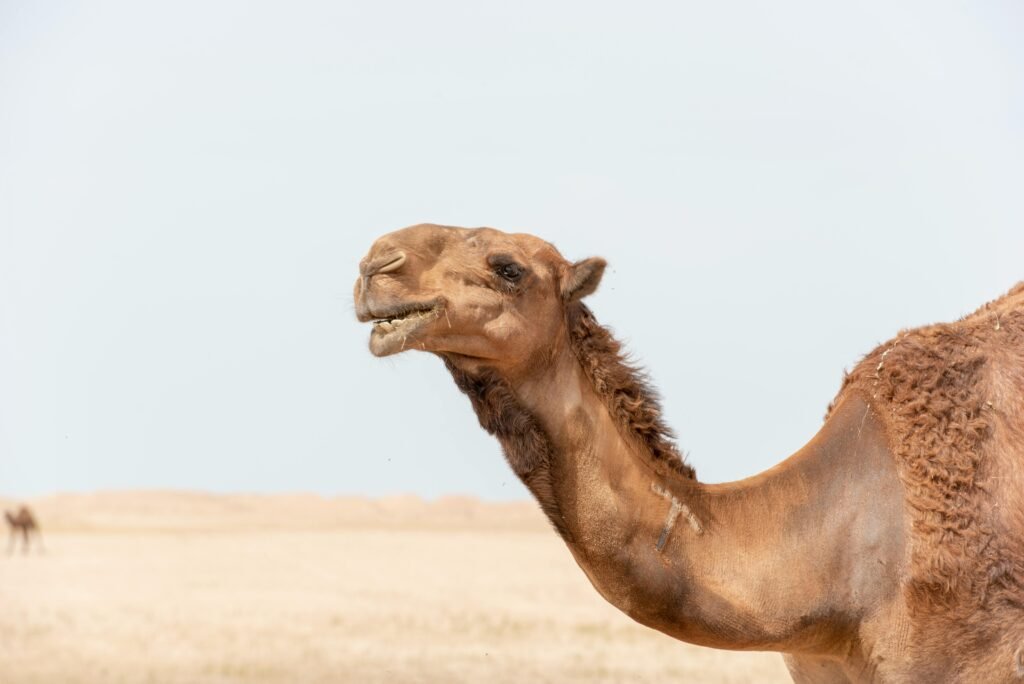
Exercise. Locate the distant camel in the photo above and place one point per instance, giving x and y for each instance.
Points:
(25, 523)
(889, 549)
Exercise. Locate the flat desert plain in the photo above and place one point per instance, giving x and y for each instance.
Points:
(198, 588)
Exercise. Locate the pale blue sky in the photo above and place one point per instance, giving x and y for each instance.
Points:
(186, 188)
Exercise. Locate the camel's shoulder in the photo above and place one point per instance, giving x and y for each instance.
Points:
(944, 392)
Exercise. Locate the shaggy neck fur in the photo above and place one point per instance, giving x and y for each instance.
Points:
(624, 389)
(629, 398)
(526, 445)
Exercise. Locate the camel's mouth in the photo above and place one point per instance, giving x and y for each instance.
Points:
(399, 322)
(394, 329)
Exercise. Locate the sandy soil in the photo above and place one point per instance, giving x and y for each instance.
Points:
(173, 587)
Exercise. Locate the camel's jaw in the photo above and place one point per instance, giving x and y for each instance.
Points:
(400, 328)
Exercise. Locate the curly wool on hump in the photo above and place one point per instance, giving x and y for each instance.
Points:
(933, 387)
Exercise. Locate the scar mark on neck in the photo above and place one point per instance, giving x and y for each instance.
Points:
(673, 514)
(864, 418)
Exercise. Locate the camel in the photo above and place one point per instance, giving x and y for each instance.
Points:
(24, 522)
(890, 548)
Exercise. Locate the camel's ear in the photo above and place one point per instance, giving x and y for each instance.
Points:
(582, 278)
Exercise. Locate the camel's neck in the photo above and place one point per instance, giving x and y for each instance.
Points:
(772, 562)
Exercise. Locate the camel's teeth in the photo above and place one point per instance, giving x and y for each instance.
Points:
(389, 325)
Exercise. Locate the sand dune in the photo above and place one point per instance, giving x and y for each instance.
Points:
(155, 511)
(200, 588)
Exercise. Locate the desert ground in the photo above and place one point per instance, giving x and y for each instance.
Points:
(199, 588)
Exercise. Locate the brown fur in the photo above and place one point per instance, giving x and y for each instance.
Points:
(526, 446)
(624, 388)
(934, 385)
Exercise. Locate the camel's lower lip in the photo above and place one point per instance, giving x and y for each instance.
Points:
(394, 333)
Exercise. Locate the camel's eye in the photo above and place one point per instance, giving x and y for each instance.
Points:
(510, 272)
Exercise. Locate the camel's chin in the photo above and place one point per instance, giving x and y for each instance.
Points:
(388, 345)
(396, 336)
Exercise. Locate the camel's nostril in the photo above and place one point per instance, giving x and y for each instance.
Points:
(392, 265)
(382, 264)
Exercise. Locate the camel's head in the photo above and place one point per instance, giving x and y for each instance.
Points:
(472, 295)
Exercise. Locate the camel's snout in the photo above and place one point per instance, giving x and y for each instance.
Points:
(383, 258)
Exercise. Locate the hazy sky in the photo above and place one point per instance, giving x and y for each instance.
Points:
(186, 189)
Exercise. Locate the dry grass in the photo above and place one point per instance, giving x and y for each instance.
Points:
(165, 587)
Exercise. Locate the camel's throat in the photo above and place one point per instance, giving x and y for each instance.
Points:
(526, 444)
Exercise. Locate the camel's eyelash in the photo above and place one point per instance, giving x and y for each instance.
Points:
(510, 274)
